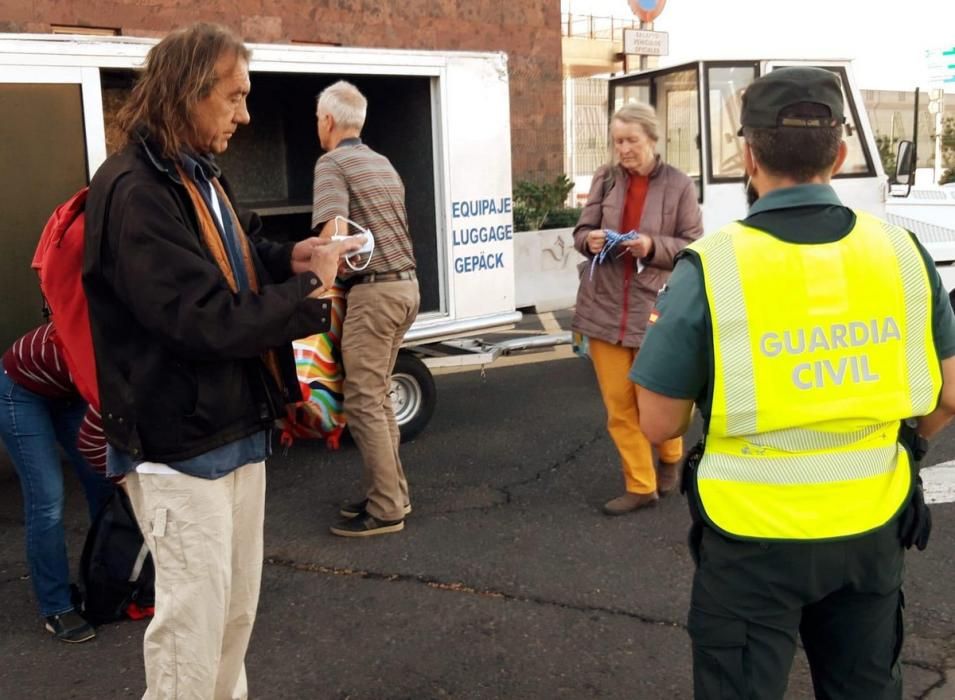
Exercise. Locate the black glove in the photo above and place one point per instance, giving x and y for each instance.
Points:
(915, 525)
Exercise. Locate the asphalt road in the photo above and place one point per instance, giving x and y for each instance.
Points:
(507, 582)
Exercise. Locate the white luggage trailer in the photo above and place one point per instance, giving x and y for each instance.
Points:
(442, 118)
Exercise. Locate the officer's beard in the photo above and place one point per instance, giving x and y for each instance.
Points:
(751, 194)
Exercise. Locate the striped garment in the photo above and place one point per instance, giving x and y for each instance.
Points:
(355, 182)
(36, 364)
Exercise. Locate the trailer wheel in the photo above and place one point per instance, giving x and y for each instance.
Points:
(413, 395)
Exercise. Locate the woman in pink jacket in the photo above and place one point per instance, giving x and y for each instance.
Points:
(636, 192)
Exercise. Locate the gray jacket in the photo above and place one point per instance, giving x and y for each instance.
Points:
(614, 306)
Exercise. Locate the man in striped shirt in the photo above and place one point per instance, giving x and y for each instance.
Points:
(353, 182)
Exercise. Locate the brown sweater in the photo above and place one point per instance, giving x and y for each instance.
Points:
(614, 306)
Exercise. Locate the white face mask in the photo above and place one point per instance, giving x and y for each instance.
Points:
(341, 231)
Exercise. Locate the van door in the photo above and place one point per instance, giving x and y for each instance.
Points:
(674, 93)
(51, 128)
(723, 86)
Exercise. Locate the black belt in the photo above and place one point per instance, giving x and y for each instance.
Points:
(383, 277)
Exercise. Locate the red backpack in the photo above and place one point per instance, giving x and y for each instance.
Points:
(59, 263)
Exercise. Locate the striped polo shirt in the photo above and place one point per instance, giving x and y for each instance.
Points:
(355, 182)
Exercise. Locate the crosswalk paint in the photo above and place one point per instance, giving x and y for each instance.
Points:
(938, 481)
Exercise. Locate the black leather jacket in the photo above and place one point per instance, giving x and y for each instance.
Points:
(178, 355)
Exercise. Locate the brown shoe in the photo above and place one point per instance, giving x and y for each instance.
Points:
(629, 502)
(668, 477)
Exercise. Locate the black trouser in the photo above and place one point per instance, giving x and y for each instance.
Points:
(844, 598)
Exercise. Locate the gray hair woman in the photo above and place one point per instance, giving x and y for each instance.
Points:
(636, 192)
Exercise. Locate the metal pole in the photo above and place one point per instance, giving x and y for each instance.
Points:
(915, 144)
(938, 146)
(938, 98)
(643, 57)
(570, 126)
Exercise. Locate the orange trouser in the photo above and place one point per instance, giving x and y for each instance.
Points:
(612, 364)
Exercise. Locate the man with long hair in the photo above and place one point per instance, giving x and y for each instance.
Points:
(192, 315)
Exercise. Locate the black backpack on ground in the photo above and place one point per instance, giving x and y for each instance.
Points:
(116, 569)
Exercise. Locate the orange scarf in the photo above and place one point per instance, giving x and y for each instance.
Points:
(213, 241)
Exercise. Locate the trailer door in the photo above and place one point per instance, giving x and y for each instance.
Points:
(47, 118)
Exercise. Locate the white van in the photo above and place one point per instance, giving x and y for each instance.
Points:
(708, 93)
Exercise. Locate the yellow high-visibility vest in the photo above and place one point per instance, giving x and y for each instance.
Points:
(819, 351)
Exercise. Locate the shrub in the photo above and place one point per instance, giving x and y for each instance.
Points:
(534, 201)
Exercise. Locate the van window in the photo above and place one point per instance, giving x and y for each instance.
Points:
(725, 86)
(637, 92)
(677, 104)
(674, 94)
(858, 160)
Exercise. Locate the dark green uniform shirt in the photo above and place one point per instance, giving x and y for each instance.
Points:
(676, 358)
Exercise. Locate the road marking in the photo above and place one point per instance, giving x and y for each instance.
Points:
(549, 322)
(938, 481)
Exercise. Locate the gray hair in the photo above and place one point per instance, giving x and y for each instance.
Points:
(642, 114)
(345, 103)
(632, 113)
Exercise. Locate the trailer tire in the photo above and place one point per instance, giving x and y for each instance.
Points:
(413, 395)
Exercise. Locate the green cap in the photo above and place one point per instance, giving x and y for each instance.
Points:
(770, 94)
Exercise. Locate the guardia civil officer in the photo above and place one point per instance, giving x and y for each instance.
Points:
(806, 334)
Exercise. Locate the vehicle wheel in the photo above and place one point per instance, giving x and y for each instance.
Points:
(413, 395)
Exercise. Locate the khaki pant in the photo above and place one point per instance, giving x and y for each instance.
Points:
(377, 318)
(612, 364)
(205, 536)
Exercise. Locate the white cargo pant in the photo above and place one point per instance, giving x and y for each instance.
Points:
(205, 536)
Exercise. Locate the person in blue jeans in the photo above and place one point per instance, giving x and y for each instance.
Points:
(40, 408)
